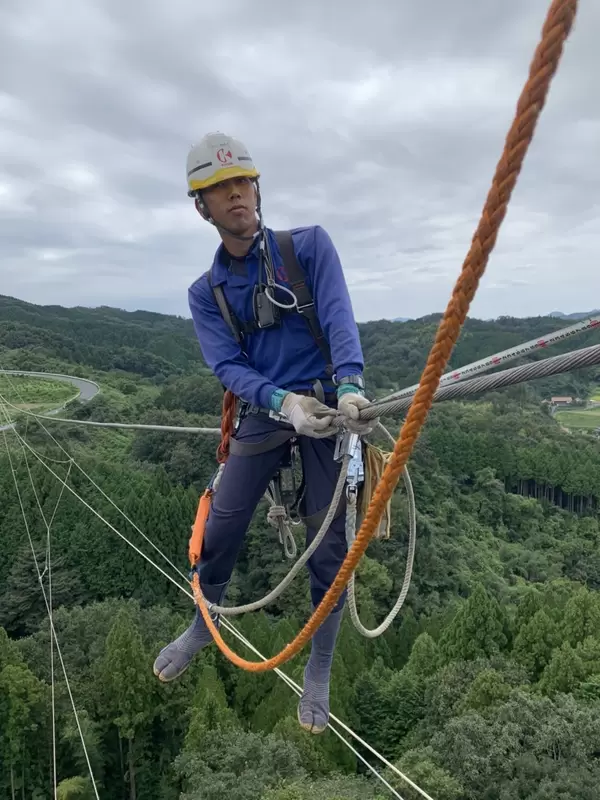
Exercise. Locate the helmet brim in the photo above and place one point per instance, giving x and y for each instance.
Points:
(223, 174)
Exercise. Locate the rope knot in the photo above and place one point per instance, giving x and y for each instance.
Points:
(276, 515)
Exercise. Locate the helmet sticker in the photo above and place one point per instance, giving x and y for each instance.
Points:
(224, 155)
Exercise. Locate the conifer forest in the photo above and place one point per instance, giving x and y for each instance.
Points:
(487, 685)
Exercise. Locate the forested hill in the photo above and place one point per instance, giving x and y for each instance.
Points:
(156, 346)
(486, 686)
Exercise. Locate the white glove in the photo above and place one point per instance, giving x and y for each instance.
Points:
(308, 416)
(349, 406)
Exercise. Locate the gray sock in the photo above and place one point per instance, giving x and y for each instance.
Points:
(175, 658)
(313, 708)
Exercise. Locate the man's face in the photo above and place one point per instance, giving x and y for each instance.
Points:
(232, 204)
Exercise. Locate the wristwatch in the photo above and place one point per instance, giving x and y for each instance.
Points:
(354, 380)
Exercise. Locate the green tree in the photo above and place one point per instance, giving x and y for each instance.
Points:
(9, 652)
(370, 703)
(582, 617)
(535, 642)
(75, 789)
(424, 657)
(339, 787)
(420, 766)
(237, 765)
(478, 628)
(22, 720)
(129, 699)
(22, 606)
(564, 672)
(405, 705)
(209, 712)
(488, 689)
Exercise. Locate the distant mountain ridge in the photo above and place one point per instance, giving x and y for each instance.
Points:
(575, 315)
(89, 341)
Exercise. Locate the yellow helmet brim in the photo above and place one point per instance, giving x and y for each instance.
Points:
(222, 174)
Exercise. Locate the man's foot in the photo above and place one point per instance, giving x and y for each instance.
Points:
(313, 707)
(175, 658)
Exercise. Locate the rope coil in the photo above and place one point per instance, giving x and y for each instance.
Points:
(351, 515)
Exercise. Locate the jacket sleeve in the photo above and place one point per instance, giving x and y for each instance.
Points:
(220, 350)
(334, 307)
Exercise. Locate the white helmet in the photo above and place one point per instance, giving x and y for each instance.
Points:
(215, 158)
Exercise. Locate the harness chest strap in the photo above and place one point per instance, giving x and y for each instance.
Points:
(304, 300)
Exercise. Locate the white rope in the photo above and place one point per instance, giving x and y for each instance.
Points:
(272, 516)
(51, 621)
(277, 518)
(230, 611)
(227, 610)
(126, 425)
(372, 633)
(286, 536)
(242, 639)
(48, 569)
(96, 513)
(229, 626)
(96, 486)
(298, 691)
(101, 518)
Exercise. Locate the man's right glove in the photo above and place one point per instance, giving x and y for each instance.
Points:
(309, 416)
(350, 404)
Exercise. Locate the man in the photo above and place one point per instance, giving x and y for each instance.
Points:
(277, 369)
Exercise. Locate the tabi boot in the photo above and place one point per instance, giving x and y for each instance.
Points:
(313, 707)
(175, 658)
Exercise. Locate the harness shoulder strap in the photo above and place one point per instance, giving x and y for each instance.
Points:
(226, 312)
(306, 305)
(237, 328)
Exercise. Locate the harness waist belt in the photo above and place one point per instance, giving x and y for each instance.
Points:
(270, 442)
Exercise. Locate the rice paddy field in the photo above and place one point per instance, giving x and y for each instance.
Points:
(582, 419)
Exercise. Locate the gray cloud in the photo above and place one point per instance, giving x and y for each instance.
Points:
(383, 122)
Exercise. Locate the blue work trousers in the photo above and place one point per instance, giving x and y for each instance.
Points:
(242, 485)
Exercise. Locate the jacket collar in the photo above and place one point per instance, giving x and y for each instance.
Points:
(223, 271)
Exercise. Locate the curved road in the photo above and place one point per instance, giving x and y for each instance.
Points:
(86, 389)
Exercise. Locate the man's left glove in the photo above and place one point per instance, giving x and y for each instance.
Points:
(349, 405)
(308, 416)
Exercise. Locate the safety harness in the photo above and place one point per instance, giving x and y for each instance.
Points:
(304, 300)
(283, 487)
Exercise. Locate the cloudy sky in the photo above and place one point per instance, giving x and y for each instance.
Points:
(382, 121)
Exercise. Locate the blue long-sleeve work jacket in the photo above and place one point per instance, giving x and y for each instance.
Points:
(287, 356)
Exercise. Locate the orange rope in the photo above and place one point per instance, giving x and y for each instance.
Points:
(556, 29)
(227, 418)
